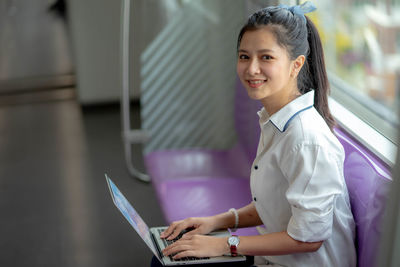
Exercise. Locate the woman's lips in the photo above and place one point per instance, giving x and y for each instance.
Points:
(255, 83)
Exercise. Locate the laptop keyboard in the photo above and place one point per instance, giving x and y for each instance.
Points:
(169, 242)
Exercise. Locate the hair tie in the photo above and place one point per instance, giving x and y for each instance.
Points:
(300, 10)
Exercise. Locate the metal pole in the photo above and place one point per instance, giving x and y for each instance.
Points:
(129, 136)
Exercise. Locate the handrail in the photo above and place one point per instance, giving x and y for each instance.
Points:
(129, 136)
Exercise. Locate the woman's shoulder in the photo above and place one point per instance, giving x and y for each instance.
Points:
(310, 129)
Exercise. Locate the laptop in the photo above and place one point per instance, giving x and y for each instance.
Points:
(151, 236)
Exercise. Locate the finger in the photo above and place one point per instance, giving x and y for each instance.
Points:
(184, 254)
(175, 233)
(196, 231)
(167, 232)
(178, 229)
(170, 229)
(171, 250)
(177, 243)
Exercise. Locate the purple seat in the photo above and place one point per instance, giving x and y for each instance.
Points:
(368, 183)
(203, 182)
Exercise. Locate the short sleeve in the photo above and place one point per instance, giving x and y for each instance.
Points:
(315, 178)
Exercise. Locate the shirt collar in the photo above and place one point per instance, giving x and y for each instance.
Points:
(282, 117)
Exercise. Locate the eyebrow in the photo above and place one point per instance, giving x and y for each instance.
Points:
(258, 51)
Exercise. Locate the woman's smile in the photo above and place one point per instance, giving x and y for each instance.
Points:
(256, 83)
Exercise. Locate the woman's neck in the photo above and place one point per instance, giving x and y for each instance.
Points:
(274, 103)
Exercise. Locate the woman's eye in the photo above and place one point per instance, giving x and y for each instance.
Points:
(266, 57)
(243, 57)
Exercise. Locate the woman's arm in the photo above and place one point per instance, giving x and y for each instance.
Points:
(280, 243)
(248, 216)
(269, 244)
(196, 245)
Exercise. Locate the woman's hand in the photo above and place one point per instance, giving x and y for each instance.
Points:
(198, 246)
(202, 225)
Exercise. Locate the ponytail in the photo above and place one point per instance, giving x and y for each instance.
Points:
(317, 76)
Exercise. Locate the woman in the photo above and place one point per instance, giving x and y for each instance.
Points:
(297, 181)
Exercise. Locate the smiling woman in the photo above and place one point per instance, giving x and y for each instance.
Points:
(266, 71)
(297, 182)
(293, 42)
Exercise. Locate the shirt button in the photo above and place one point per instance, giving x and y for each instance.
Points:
(255, 199)
(256, 167)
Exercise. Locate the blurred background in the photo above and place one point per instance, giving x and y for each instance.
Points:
(61, 121)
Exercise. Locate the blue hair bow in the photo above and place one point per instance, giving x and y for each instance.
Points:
(300, 10)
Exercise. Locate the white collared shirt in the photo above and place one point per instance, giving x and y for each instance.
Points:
(298, 186)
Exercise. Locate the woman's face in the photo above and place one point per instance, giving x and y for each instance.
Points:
(265, 69)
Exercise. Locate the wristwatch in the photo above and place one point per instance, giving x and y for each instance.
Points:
(233, 242)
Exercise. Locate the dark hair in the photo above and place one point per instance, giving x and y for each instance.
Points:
(299, 37)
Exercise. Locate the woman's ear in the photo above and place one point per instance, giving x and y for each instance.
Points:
(297, 64)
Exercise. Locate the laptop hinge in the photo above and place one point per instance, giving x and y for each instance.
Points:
(153, 238)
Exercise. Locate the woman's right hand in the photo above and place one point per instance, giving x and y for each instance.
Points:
(200, 225)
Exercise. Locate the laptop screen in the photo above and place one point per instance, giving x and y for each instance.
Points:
(131, 215)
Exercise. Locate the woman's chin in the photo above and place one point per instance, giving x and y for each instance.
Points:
(254, 96)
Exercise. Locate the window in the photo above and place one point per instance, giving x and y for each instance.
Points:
(361, 40)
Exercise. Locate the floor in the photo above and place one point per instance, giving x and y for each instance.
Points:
(54, 202)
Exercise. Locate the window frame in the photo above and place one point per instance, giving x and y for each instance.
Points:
(373, 140)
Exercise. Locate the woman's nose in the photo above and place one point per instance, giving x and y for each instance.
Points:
(254, 67)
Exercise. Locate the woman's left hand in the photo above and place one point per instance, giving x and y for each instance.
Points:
(198, 246)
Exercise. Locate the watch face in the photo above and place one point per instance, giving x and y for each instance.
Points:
(233, 240)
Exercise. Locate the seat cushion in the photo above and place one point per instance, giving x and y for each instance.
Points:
(185, 163)
(201, 196)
